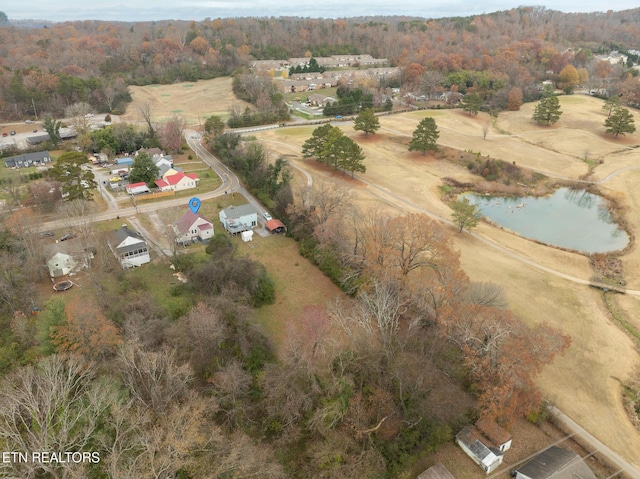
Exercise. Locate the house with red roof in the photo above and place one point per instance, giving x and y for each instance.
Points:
(177, 182)
(137, 188)
(192, 227)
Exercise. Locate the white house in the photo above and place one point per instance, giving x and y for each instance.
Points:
(192, 227)
(178, 181)
(62, 264)
(475, 446)
(236, 219)
(129, 247)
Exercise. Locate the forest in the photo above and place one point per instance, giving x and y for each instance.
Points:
(176, 380)
(45, 69)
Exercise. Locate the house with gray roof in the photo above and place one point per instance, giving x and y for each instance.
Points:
(37, 158)
(236, 219)
(555, 463)
(129, 247)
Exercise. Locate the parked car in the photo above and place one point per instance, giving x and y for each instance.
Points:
(5, 134)
(35, 130)
(13, 132)
(267, 216)
(45, 234)
(66, 237)
(28, 121)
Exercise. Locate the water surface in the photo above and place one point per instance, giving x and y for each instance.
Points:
(573, 219)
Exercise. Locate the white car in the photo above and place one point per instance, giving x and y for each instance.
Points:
(266, 216)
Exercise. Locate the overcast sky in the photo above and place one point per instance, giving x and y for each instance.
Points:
(143, 10)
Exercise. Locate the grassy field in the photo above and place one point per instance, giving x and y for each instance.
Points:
(194, 101)
(586, 382)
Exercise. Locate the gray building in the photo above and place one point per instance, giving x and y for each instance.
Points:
(236, 219)
(28, 159)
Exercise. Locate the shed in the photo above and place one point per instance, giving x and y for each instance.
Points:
(475, 446)
(498, 436)
(137, 188)
(127, 160)
(247, 236)
(555, 463)
(275, 226)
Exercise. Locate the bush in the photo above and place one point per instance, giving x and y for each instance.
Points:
(265, 291)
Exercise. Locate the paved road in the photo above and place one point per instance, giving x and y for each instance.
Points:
(629, 469)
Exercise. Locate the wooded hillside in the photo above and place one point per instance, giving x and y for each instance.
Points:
(46, 69)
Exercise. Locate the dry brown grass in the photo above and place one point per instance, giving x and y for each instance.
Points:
(194, 101)
(586, 382)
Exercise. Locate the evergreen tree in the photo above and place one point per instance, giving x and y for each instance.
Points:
(425, 136)
(547, 111)
(610, 104)
(620, 122)
(52, 127)
(351, 156)
(472, 103)
(143, 169)
(76, 182)
(313, 146)
(366, 121)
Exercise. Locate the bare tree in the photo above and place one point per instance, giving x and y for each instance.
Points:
(78, 115)
(54, 405)
(155, 379)
(144, 110)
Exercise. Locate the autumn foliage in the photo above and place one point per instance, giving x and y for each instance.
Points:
(86, 331)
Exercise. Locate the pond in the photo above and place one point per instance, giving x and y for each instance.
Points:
(572, 219)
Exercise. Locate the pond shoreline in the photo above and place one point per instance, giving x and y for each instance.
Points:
(453, 188)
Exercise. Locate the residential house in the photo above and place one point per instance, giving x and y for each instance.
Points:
(316, 99)
(161, 160)
(236, 219)
(150, 151)
(62, 264)
(28, 159)
(192, 227)
(555, 463)
(178, 181)
(477, 448)
(166, 170)
(439, 471)
(266, 65)
(129, 247)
